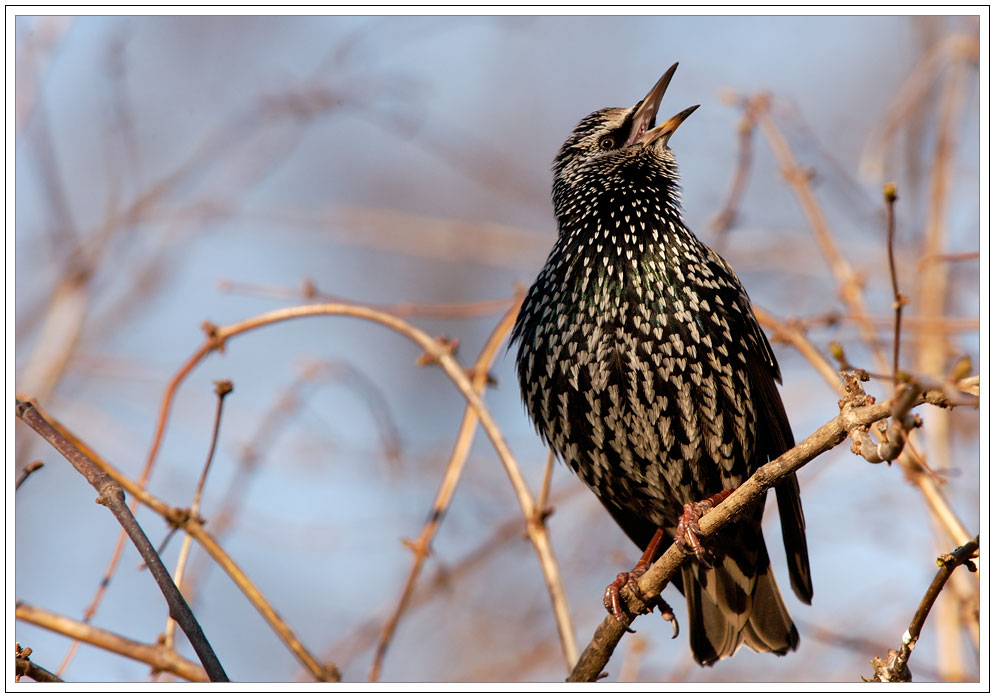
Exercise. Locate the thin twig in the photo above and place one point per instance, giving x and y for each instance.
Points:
(547, 479)
(112, 496)
(724, 219)
(895, 666)
(791, 333)
(946, 258)
(222, 389)
(911, 98)
(26, 471)
(890, 196)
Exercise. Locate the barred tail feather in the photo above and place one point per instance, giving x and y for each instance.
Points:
(727, 609)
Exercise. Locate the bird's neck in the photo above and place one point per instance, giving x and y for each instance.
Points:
(621, 224)
(628, 252)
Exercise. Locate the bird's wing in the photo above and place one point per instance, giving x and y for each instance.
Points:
(774, 438)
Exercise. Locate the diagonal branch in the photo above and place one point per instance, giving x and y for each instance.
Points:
(112, 496)
(607, 636)
(895, 666)
(846, 277)
(181, 519)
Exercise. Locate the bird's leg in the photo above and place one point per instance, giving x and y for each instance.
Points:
(629, 580)
(688, 531)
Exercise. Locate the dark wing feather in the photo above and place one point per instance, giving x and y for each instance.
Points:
(774, 438)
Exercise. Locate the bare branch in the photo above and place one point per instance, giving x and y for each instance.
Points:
(607, 636)
(112, 496)
(181, 519)
(158, 657)
(26, 472)
(847, 280)
(23, 666)
(724, 219)
(890, 196)
(895, 666)
(222, 389)
(447, 488)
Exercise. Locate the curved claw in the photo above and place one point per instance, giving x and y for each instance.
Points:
(667, 613)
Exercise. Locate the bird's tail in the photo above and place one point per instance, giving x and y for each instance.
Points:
(729, 606)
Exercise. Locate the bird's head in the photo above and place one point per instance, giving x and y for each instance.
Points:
(618, 148)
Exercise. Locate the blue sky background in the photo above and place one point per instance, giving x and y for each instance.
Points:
(407, 159)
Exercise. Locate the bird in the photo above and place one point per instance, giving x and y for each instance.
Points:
(643, 367)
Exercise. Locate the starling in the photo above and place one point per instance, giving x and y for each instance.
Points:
(642, 365)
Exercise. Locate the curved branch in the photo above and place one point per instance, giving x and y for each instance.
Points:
(438, 352)
(441, 354)
(447, 488)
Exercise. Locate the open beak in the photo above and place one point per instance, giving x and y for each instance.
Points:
(646, 114)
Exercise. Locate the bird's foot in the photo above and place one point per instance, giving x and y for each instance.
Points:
(689, 533)
(613, 596)
(629, 580)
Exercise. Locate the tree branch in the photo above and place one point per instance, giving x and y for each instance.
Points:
(23, 666)
(607, 636)
(895, 666)
(158, 657)
(181, 519)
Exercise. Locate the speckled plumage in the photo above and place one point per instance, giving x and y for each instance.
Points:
(642, 365)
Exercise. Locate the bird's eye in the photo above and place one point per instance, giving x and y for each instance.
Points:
(606, 142)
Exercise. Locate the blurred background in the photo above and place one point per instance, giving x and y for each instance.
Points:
(172, 170)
